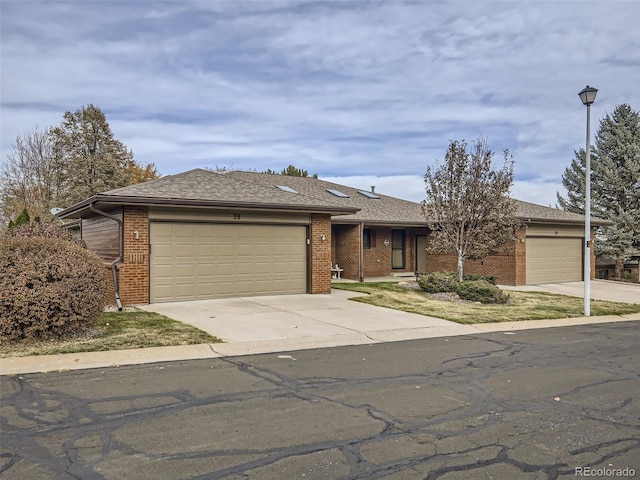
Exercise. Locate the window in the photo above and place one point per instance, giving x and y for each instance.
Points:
(397, 249)
(284, 188)
(337, 193)
(368, 238)
(368, 194)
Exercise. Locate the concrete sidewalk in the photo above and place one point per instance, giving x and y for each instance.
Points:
(274, 324)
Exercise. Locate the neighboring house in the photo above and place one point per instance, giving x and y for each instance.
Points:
(202, 234)
(606, 267)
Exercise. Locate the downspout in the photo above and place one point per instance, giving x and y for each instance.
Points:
(114, 271)
(361, 252)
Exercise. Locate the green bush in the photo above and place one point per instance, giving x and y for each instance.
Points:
(493, 279)
(48, 287)
(438, 282)
(481, 291)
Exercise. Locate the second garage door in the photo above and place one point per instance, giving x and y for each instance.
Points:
(191, 261)
(553, 260)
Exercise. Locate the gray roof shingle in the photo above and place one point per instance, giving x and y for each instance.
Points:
(260, 190)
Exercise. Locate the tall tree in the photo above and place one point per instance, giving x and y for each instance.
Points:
(63, 165)
(573, 181)
(615, 180)
(468, 205)
(89, 156)
(29, 177)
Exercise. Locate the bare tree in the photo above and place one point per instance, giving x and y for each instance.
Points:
(468, 205)
(29, 178)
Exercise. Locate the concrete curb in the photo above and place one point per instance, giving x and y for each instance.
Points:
(117, 358)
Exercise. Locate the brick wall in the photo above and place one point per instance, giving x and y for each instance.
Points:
(320, 253)
(345, 250)
(509, 265)
(377, 258)
(133, 275)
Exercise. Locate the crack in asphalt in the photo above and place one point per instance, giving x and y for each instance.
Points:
(433, 416)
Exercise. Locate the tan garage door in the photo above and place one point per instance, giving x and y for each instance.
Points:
(553, 259)
(191, 261)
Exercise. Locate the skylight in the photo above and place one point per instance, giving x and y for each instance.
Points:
(284, 188)
(368, 194)
(337, 193)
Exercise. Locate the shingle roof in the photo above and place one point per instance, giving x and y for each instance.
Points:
(260, 190)
(535, 212)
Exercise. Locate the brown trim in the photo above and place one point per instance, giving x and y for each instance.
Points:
(150, 202)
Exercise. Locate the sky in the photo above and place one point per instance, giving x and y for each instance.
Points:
(360, 92)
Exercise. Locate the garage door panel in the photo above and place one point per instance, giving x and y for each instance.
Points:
(194, 261)
(553, 259)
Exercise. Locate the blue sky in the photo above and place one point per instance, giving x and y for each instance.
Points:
(361, 92)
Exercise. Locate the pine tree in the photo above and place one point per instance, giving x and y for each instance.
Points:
(573, 180)
(615, 184)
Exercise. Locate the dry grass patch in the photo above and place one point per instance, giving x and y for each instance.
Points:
(522, 305)
(115, 331)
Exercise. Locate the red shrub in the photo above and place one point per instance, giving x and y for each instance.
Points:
(48, 287)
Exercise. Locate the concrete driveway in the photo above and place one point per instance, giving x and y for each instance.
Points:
(294, 318)
(600, 290)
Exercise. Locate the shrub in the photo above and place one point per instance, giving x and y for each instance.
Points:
(41, 230)
(48, 287)
(493, 279)
(481, 291)
(438, 282)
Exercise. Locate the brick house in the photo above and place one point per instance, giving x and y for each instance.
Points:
(202, 234)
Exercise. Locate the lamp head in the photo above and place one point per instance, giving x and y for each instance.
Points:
(588, 95)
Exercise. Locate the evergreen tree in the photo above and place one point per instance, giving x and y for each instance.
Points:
(573, 180)
(291, 171)
(615, 184)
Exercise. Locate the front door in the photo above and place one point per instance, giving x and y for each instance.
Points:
(397, 249)
(421, 254)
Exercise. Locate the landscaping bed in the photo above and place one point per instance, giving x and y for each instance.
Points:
(521, 305)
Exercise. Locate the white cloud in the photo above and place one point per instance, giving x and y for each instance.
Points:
(347, 89)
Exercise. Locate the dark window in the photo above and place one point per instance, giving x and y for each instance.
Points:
(397, 249)
(366, 238)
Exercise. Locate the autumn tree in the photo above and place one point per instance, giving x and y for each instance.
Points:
(63, 165)
(468, 207)
(29, 177)
(615, 184)
(91, 159)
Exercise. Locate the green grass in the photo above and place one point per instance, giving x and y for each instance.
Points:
(522, 306)
(115, 331)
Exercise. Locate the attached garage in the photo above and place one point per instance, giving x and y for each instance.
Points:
(192, 261)
(553, 259)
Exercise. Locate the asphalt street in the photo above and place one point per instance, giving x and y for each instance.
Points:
(532, 404)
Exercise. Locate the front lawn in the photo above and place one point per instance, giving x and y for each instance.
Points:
(115, 331)
(523, 305)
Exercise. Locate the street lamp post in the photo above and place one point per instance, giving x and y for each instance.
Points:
(588, 96)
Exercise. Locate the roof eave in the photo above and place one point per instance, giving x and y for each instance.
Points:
(594, 222)
(76, 210)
